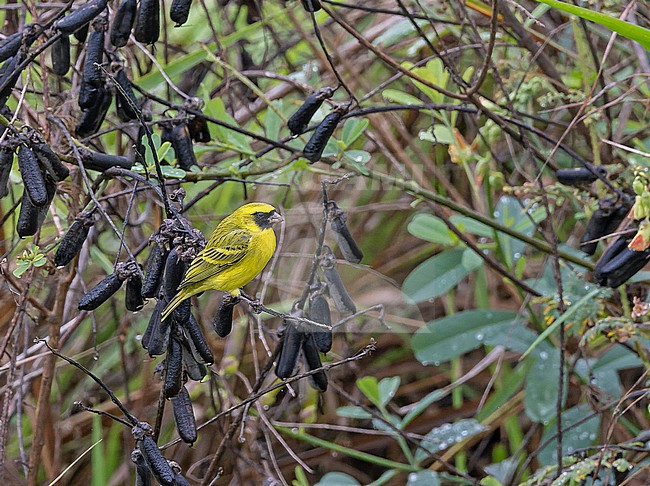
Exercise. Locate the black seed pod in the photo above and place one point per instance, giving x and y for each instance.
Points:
(81, 34)
(156, 461)
(197, 339)
(299, 121)
(290, 351)
(147, 22)
(61, 56)
(174, 374)
(311, 5)
(91, 73)
(175, 270)
(179, 480)
(156, 337)
(33, 178)
(10, 45)
(184, 416)
(6, 161)
(622, 267)
(611, 252)
(605, 220)
(222, 323)
(580, 175)
(133, 300)
(312, 358)
(73, 240)
(80, 17)
(123, 22)
(181, 314)
(92, 118)
(31, 217)
(336, 289)
(50, 161)
(349, 248)
(9, 75)
(127, 104)
(142, 471)
(182, 143)
(314, 148)
(89, 95)
(194, 369)
(180, 11)
(100, 293)
(199, 130)
(139, 149)
(319, 311)
(154, 271)
(101, 162)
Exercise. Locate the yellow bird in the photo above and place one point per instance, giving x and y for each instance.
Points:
(238, 250)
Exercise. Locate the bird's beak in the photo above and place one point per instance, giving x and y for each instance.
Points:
(276, 218)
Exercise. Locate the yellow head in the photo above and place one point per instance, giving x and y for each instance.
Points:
(255, 216)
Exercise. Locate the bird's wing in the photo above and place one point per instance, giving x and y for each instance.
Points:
(222, 252)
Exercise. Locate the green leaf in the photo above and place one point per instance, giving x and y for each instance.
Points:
(439, 274)
(273, 122)
(444, 339)
(626, 29)
(541, 390)
(582, 435)
(352, 129)
(337, 479)
(172, 172)
(472, 226)
(430, 228)
(440, 438)
(21, 268)
(216, 109)
(370, 388)
(387, 389)
(420, 407)
(353, 412)
(357, 157)
(423, 478)
(400, 97)
(301, 477)
(438, 134)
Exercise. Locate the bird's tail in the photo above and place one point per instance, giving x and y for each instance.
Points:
(175, 302)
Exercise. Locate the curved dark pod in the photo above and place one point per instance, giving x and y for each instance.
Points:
(180, 11)
(61, 56)
(73, 239)
(9, 75)
(125, 100)
(101, 162)
(222, 323)
(133, 300)
(174, 369)
(314, 148)
(154, 271)
(312, 358)
(195, 369)
(349, 248)
(156, 337)
(199, 130)
(319, 311)
(175, 269)
(32, 217)
(123, 22)
(6, 162)
(10, 45)
(93, 117)
(81, 16)
(101, 292)
(50, 161)
(147, 22)
(183, 148)
(291, 345)
(580, 175)
(335, 286)
(184, 416)
(33, 178)
(142, 471)
(605, 220)
(91, 72)
(196, 337)
(156, 461)
(299, 121)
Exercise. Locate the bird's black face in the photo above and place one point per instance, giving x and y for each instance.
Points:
(266, 220)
